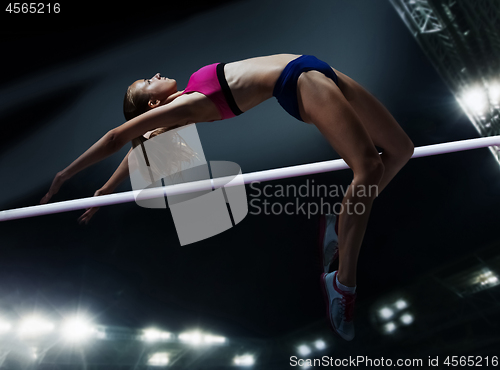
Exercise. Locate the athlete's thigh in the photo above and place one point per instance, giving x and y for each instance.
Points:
(322, 103)
(383, 129)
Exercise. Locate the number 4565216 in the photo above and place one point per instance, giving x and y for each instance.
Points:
(33, 8)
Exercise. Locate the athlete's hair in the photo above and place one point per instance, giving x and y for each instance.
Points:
(135, 103)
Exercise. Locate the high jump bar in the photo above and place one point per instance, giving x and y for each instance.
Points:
(259, 176)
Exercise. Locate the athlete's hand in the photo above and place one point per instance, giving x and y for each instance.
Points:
(54, 188)
(85, 218)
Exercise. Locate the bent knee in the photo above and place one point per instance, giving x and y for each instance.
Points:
(402, 150)
(370, 172)
(407, 148)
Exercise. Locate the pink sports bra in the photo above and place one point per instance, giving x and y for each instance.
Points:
(211, 82)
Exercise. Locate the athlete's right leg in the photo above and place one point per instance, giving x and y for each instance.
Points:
(322, 103)
(384, 130)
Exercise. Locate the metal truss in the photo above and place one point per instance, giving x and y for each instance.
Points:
(462, 40)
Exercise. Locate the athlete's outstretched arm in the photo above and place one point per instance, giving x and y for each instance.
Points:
(118, 176)
(179, 112)
(176, 113)
(103, 148)
(116, 179)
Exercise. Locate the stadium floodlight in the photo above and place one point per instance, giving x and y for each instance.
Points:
(386, 313)
(244, 360)
(77, 329)
(304, 350)
(34, 326)
(390, 327)
(210, 339)
(194, 337)
(485, 278)
(406, 319)
(4, 326)
(320, 344)
(401, 304)
(494, 92)
(476, 100)
(154, 335)
(159, 359)
(492, 280)
(197, 338)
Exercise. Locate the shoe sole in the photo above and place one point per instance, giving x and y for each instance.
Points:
(327, 300)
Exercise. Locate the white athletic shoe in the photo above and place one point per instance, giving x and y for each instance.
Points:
(340, 306)
(328, 241)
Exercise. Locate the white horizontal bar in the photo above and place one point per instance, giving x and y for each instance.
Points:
(261, 176)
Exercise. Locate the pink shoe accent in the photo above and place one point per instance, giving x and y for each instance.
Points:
(349, 301)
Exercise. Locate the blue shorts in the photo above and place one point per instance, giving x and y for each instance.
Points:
(285, 89)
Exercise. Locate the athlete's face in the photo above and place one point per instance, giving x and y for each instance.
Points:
(158, 87)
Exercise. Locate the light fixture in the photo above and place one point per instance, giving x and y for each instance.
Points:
(406, 319)
(159, 359)
(494, 92)
(486, 277)
(401, 304)
(35, 326)
(390, 327)
(320, 344)
(198, 338)
(153, 335)
(209, 339)
(191, 337)
(77, 329)
(244, 360)
(476, 100)
(4, 326)
(304, 350)
(386, 313)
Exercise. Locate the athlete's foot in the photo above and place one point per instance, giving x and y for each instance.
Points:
(328, 240)
(340, 306)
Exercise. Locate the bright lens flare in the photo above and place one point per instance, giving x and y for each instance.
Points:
(401, 304)
(197, 338)
(407, 319)
(476, 100)
(153, 335)
(304, 350)
(386, 313)
(4, 326)
(390, 327)
(159, 359)
(77, 329)
(244, 360)
(35, 326)
(494, 91)
(320, 344)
